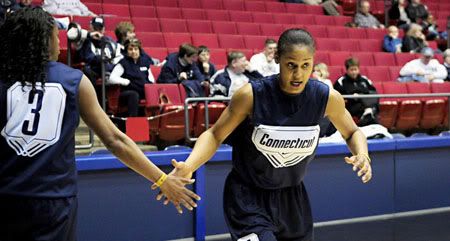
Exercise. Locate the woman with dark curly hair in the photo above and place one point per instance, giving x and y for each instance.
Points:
(40, 104)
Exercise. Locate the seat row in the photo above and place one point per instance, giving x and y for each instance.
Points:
(405, 114)
(164, 104)
(232, 5)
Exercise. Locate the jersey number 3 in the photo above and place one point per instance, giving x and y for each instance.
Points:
(34, 117)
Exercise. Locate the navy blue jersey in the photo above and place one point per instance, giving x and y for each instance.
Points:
(37, 135)
(272, 148)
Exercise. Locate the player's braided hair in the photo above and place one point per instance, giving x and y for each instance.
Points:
(24, 46)
(295, 36)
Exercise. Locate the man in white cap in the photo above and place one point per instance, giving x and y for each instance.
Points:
(424, 69)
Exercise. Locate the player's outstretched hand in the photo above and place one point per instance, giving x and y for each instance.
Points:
(361, 163)
(181, 177)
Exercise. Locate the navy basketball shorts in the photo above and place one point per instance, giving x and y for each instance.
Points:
(268, 214)
(38, 219)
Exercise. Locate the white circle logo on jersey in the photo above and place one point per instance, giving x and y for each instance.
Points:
(34, 118)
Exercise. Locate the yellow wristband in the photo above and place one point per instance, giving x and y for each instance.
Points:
(161, 180)
(365, 155)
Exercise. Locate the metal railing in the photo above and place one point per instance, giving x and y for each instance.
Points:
(206, 100)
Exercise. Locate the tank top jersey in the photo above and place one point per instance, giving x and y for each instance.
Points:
(272, 148)
(37, 135)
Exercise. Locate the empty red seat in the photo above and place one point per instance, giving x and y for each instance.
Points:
(318, 31)
(248, 29)
(159, 53)
(224, 27)
(409, 110)
(378, 73)
(387, 114)
(358, 33)
(271, 29)
(209, 40)
(235, 5)
(111, 22)
(442, 88)
(349, 45)
(174, 40)
(192, 13)
(336, 72)
(403, 58)
(324, 20)
(322, 57)
(142, 11)
(327, 44)
(215, 109)
(241, 16)
(146, 25)
(384, 59)
(189, 4)
(152, 39)
(212, 4)
(217, 15)
(338, 58)
(275, 7)
(254, 42)
(371, 45)
(173, 25)
(259, 17)
(375, 33)
(255, 6)
(231, 41)
(284, 18)
(296, 8)
(165, 12)
(218, 56)
(342, 20)
(137, 128)
(394, 72)
(140, 2)
(304, 19)
(95, 7)
(166, 3)
(199, 26)
(337, 32)
(116, 10)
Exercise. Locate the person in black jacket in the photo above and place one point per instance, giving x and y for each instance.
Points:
(132, 72)
(237, 73)
(414, 40)
(181, 68)
(416, 11)
(353, 83)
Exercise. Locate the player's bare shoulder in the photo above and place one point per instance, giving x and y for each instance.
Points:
(242, 101)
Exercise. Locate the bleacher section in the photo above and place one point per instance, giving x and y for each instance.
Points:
(223, 25)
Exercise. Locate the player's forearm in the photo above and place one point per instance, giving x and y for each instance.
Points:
(357, 143)
(203, 150)
(130, 154)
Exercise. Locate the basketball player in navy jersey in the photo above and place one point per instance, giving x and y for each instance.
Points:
(40, 104)
(274, 130)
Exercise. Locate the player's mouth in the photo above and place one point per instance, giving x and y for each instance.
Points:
(296, 83)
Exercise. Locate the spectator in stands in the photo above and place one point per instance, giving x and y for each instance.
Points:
(124, 31)
(447, 63)
(398, 13)
(89, 50)
(392, 43)
(181, 68)
(264, 62)
(414, 41)
(329, 6)
(430, 28)
(353, 83)
(321, 73)
(237, 73)
(364, 19)
(67, 7)
(207, 68)
(424, 69)
(132, 72)
(416, 11)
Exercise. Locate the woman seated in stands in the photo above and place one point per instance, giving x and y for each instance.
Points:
(414, 41)
(132, 73)
(321, 73)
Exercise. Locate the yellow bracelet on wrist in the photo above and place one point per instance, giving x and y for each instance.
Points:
(366, 156)
(161, 180)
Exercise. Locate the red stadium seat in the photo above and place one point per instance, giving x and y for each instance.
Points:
(324, 20)
(394, 72)
(254, 42)
(255, 6)
(159, 53)
(118, 2)
(152, 39)
(137, 128)
(365, 58)
(146, 25)
(224, 27)
(95, 7)
(317, 31)
(316, 10)
(358, 33)
(214, 111)
(231, 41)
(387, 109)
(199, 26)
(442, 88)
(166, 3)
(375, 33)
(275, 7)
(378, 73)
(284, 18)
(349, 45)
(140, 2)
(337, 32)
(241, 16)
(235, 5)
(342, 20)
(173, 25)
(271, 29)
(217, 15)
(336, 72)
(111, 22)
(218, 56)
(305, 19)
(212, 4)
(248, 29)
(371, 45)
(262, 17)
(403, 58)
(410, 109)
(328, 44)
(174, 40)
(116, 10)
(296, 8)
(83, 21)
(143, 11)
(165, 12)
(322, 57)
(384, 59)
(184, 4)
(197, 14)
(209, 40)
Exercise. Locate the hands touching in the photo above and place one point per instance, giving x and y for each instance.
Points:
(173, 188)
(361, 162)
